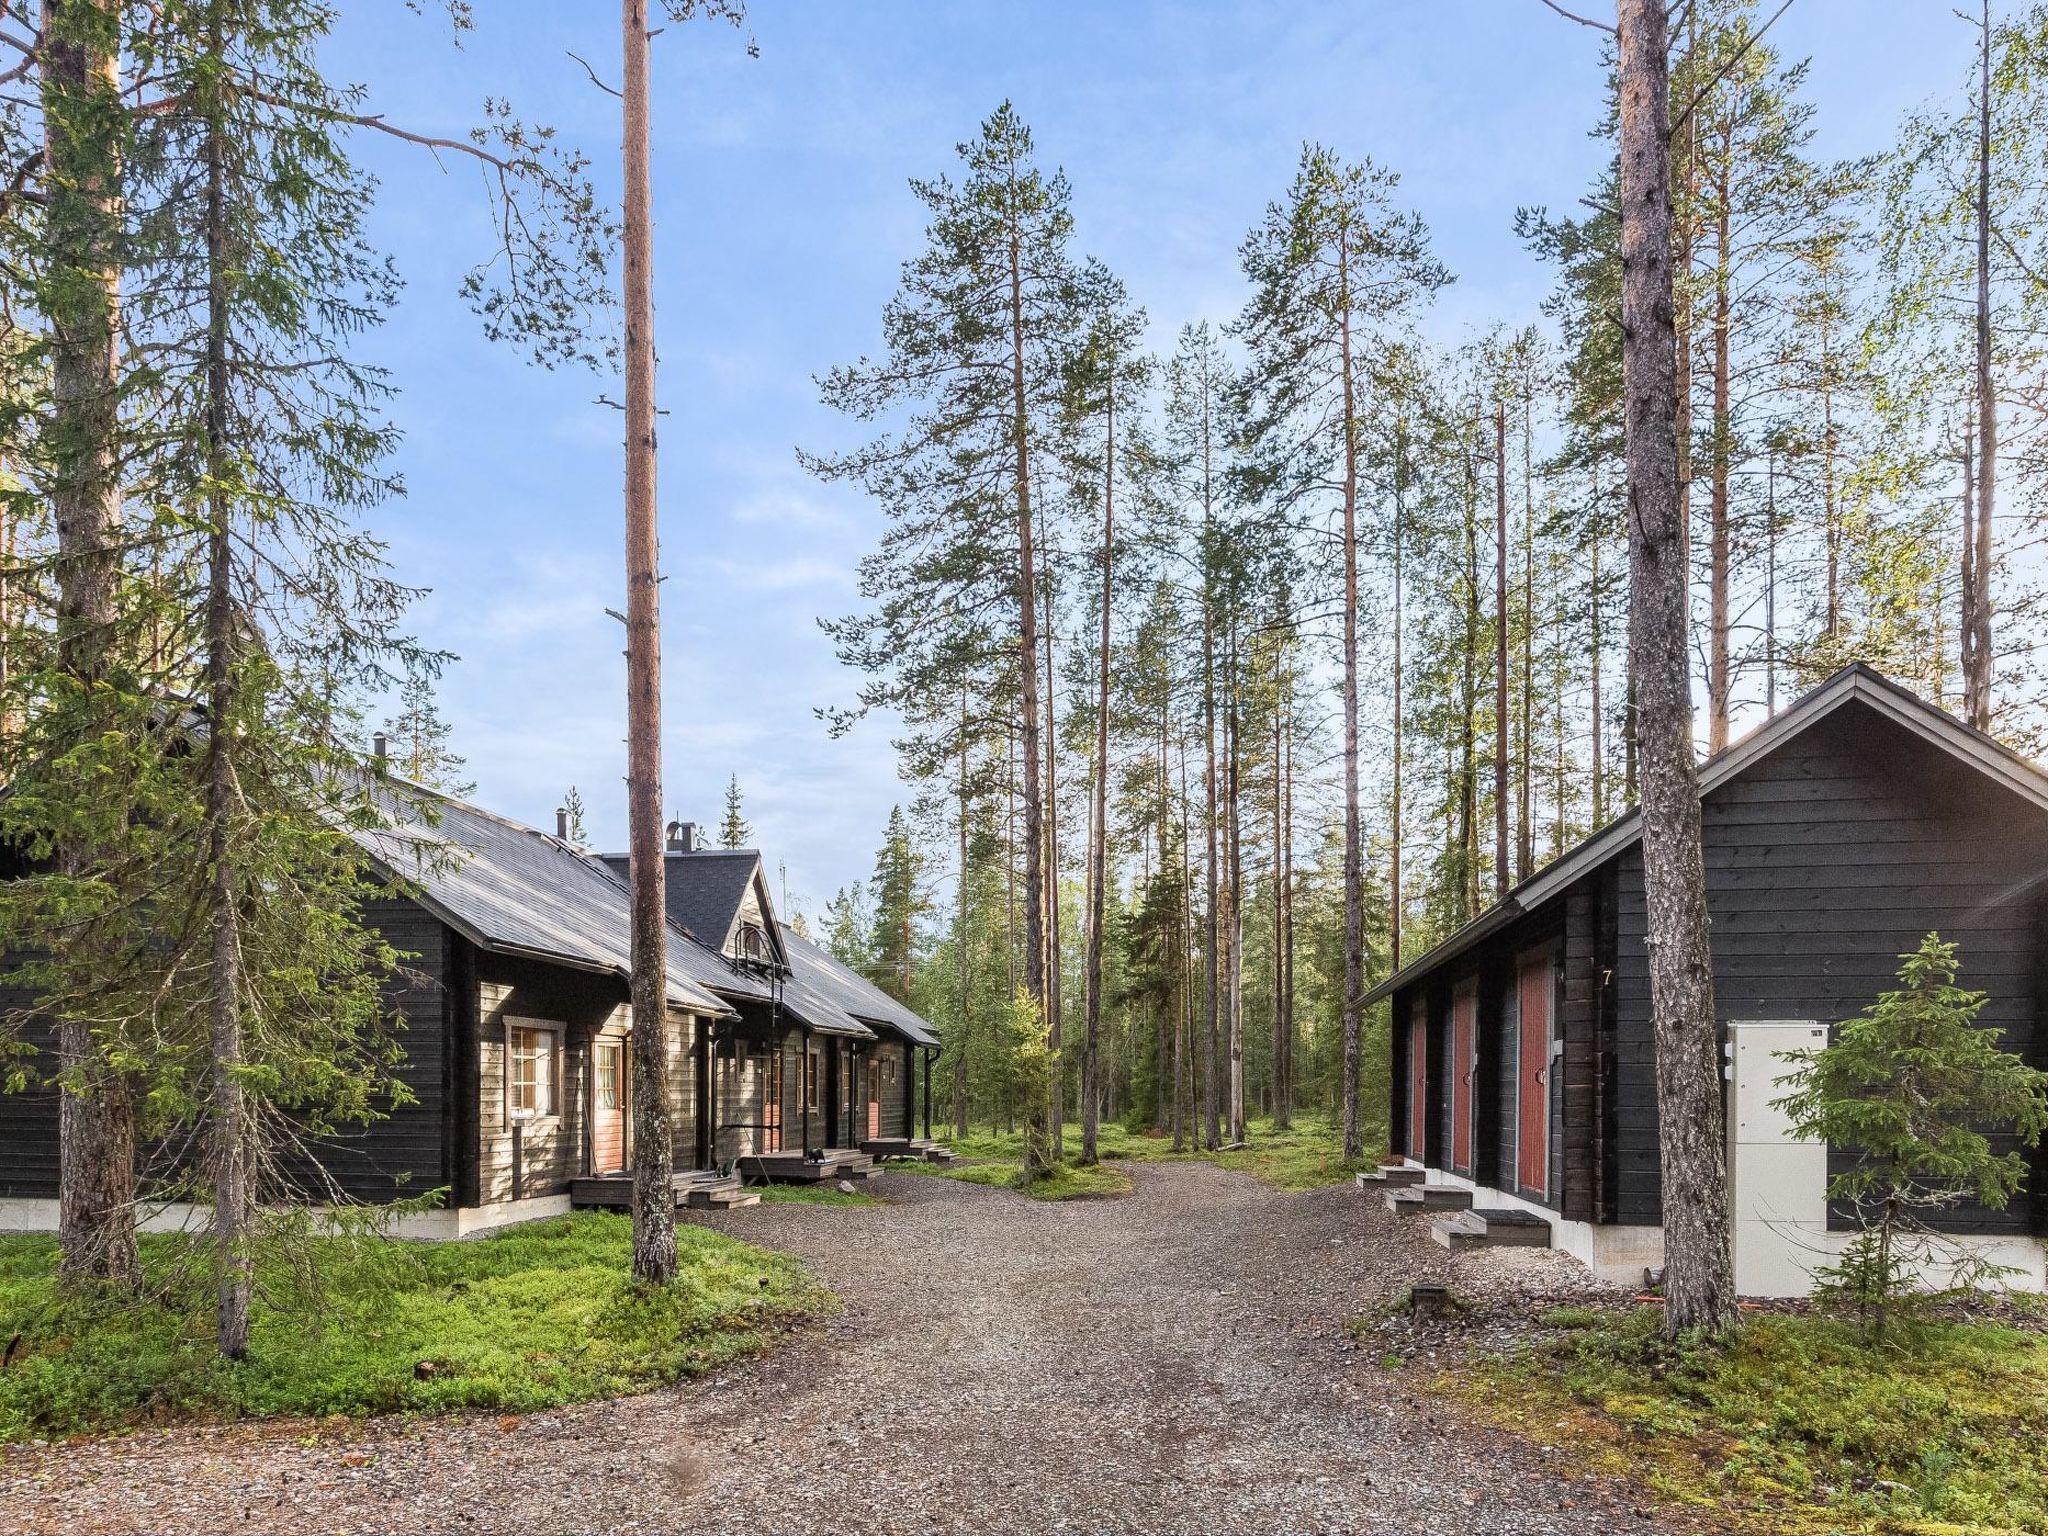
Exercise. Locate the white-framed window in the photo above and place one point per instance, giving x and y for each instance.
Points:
(533, 1070)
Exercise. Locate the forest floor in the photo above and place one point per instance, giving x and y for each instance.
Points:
(1189, 1358)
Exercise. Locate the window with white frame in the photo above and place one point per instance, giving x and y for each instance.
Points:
(532, 1070)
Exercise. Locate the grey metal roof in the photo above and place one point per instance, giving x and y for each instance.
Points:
(1854, 683)
(705, 888)
(810, 1006)
(514, 890)
(824, 973)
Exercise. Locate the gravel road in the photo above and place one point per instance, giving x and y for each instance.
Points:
(1173, 1361)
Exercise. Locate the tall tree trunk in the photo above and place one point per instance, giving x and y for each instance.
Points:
(1698, 1278)
(1502, 869)
(228, 1131)
(82, 151)
(1098, 793)
(1039, 1152)
(963, 957)
(1055, 1005)
(1396, 892)
(1719, 680)
(1354, 839)
(1977, 645)
(1234, 905)
(1595, 601)
(1283, 1026)
(654, 1200)
(1525, 832)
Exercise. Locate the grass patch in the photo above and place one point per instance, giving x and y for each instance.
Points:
(1800, 1426)
(816, 1194)
(1068, 1181)
(524, 1319)
(1305, 1156)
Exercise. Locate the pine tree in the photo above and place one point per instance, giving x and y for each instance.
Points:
(1332, 266)
(572, 818)
(419, 736)
(735, 831)
(1933, 1113)
(891, 953)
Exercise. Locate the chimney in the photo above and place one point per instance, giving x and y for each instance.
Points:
(682, 837)
(380, 747)
(562, 822)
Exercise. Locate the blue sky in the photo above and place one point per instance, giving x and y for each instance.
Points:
(781, 218)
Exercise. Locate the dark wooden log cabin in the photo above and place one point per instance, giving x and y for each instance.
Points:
(512, 1006)
(1837, 835)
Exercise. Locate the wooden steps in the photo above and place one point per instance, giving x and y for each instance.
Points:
(698, 1189)
(829, 1166)
(1394, 1176)
(1406, 1201)
(1491, 1227)
(912, 1149)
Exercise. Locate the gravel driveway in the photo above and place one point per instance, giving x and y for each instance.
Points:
(1173, 1361)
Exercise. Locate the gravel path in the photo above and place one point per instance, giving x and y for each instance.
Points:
(1173, 1361)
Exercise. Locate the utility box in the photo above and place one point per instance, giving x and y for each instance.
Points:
(1777, 1182)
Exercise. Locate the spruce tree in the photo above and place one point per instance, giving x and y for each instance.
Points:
(734, 830)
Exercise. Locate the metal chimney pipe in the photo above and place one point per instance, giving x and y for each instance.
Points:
(380, 747)
(562, 822)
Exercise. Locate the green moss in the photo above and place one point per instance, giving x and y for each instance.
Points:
(1067, 1181)
(1305, 1156)
(529, 1318)
(1799, 1426)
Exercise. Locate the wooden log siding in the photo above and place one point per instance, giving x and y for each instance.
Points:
(1825, 862)
(892, 1055)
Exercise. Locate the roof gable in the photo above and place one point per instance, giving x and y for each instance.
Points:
(1855, 683)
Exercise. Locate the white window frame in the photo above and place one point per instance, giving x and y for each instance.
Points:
(548, 1087)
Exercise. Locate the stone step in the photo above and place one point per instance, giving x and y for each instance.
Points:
(1428, 1197)
(1491, 1227)
(1390, 1178)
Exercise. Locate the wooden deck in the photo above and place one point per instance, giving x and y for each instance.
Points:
(796, 1168)
(916, 1149)
(697, 1189)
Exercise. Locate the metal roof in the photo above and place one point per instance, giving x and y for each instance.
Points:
(824, 973)
(1854, 683)
(514, 890)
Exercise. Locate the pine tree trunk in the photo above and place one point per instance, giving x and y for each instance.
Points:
(1698, 1280)
(1234, 940)
(82, 223)
(1977, 645)
(963, 957)
(654, 1201)
(1055, 1006)
(228, 1129)
(1039, 1151)
(1595, 641)
(1719, 680)
(1502, 869)
(1098, 797)
(1525, 830)
(1397, 832)
(1352, 1003)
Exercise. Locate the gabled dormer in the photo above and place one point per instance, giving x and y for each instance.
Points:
(719, 896)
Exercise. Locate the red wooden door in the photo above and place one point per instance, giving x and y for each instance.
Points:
(1418, 1083)
(1532, 1077)
(608, 1111)
(874, 1078)
(1464, 1029)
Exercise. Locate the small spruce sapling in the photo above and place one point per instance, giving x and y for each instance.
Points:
(1934, 1113)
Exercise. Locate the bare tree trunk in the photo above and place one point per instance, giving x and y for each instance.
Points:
(82, 168)
(1596, 641)
(1235, 906)
(1698, 1279)
(1525, 833)
(1977, 642)
(654, 1201)
(963, 959)
(1283, 1026)
(1098, 795)
(1354, 839)
(1398, 831)
(1502, 869)
(1055, 1004)
(1719, 681)
(1039, 1153)
(228, 1132)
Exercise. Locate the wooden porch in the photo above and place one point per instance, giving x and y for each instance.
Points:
(805, 1168)
(701, 1189)
(915, 1149)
